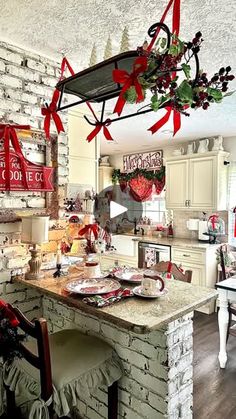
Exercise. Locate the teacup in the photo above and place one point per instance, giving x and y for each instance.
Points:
(151, 286)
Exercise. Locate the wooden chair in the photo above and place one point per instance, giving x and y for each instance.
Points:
(174, 270)
(224, 275)
(36, 353)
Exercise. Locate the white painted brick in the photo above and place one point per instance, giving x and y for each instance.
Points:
(143, 347)
(28, 306)
(131, 357)
(36, 203)
(17, 263)
(149, 381)
(64, 311)
(36, 65)
(22, 73)
(145, 409)
(50, 70)
(10, 227)
(49, 81)
(1, 263)
(63, 149)
(21, 96)
(87, 323)
(133, 387)
(15, 297)
(157, 402)
(10, 81)
(13, 287)
(7, 55)
(5, 276)
(2, 288)
(12, 251)
(126, 413)
(12, 203)
(115, 334)
(9, 105)
(2, 66)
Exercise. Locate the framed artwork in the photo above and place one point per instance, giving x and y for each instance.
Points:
(151, 160)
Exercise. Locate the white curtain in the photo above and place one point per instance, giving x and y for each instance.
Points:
(232, 201)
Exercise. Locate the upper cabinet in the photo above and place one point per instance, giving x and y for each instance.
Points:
(197, 182)
(83, 156)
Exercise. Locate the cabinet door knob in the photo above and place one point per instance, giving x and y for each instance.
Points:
(186, 256)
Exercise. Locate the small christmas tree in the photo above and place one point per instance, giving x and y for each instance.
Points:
(108, 49)
(124, 45)
(93, 56)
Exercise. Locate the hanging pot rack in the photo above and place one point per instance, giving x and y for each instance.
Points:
(96, 85)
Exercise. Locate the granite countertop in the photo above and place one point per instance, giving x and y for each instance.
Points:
(134, 314)
(175, 241)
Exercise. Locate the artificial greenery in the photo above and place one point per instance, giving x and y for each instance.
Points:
(118, 176)
(162, 77)
(10, 338)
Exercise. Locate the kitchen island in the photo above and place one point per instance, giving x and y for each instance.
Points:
(153, 339)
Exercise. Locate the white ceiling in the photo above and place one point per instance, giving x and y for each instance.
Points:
(72, 26)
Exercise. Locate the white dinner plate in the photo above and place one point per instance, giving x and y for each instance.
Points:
(92, 286)
(138, 291)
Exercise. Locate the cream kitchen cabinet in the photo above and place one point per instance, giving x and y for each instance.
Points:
(197, 182)
(105, 177)
(202, 262)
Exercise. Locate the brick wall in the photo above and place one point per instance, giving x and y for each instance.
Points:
(27, 81)
(157, 381)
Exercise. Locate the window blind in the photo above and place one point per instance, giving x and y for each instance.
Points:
(232, 202)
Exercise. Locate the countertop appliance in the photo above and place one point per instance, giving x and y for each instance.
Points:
(151, 253)
(203, 228)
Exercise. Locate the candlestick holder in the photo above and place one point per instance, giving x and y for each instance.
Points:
(58, 272)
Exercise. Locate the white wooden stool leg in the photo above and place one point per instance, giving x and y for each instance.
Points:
(223, 319)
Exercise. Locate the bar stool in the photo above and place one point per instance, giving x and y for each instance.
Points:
(56, 369)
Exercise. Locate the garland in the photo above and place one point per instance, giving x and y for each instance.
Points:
(118, 176)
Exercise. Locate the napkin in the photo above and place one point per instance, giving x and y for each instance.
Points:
(109, 298)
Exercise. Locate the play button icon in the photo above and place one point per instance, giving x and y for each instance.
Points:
(116, 209)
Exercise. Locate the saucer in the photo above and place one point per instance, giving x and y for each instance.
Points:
(138, 291)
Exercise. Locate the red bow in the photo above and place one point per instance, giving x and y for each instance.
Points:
(90, 229)
(165, 119)
(99, 126)
(213, 219)
(128, 80)
(51, 110)
(8, 133)
(9, 314)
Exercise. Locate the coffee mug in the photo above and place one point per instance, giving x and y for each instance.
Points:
(151, 285)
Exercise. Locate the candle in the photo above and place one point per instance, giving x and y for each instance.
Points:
(59, 257)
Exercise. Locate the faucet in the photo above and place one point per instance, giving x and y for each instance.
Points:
(136, 230)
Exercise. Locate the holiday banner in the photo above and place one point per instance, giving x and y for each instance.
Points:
(150, 161)
(38, 178)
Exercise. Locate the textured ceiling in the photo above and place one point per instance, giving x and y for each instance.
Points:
(72, 26)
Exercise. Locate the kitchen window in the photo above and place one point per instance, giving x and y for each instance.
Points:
(232, 202)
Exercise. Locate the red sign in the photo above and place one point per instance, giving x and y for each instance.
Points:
(39, 178)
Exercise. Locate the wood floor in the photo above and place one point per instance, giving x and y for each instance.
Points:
(214, 388)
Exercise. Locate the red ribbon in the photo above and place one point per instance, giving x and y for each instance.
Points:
(128, 80)
(234, 211)
(98, 126)
(176, 121)
(90, 229)
(175, 30)
(213, 219)
(8, 133)
(50, 112)
(9, 314)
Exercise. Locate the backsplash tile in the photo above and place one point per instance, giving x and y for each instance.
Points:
(181, 218)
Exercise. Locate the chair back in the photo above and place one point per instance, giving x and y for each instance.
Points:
(174, 270)
(39, 331)
(223, 251)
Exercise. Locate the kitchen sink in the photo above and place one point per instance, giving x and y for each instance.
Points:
(125, 245)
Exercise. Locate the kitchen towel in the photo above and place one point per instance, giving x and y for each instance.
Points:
(109, 298)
